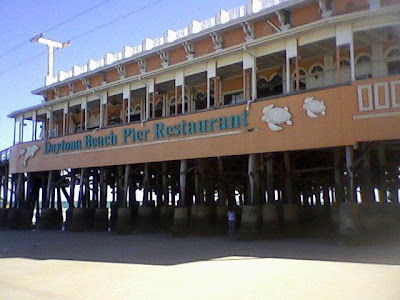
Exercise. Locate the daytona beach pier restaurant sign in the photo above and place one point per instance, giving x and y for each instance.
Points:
(160, 131)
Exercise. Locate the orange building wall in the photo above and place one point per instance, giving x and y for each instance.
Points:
(262, 28)
(233, 37)
(203, 47)
(153, 63)
(96, 80)
(232, 84)
(269, 73)
(177, 56)
(339, 127)
(64, 91)
(347, 6)
(79, 86)
(132, 69)
(306, 15)
(112, 75)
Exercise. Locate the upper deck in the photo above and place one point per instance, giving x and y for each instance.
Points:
(344, 53)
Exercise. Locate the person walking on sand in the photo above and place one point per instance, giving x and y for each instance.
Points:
(231, 222)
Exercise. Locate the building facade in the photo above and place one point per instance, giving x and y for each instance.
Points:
(280, 107)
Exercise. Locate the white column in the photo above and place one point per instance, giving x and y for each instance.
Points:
(249, 62)
(149, 89)
(352, 63)
(84, 107)
(287, 75)
(284, 90)
(211, 73)
(15, 129)
(50, 118)
(127, 95)
(34, 125)
(21, 126)
(254, 80)
(183, 96)
(65, 116)
(344, 36)
(378, 65)
(328, 69)
(291, 52)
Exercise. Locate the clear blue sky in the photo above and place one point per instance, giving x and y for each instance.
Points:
(21, 20)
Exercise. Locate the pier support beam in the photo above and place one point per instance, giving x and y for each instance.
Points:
(351, 189)
(181, 213)
(382, 174)
(251, 218)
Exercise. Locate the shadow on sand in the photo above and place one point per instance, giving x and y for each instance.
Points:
(162, 249)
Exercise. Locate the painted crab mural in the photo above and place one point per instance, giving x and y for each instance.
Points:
(275, 116)
(314, 107)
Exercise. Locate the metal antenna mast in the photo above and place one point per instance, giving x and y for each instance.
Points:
(51, 45)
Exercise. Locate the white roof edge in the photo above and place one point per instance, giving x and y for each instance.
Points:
(24, 110)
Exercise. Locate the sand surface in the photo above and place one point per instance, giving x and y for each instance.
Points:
(63, 265)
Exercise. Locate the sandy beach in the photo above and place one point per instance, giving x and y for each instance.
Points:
(63, 265)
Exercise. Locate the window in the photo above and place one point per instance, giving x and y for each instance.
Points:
(159, 109)
(269, 88)
(345, 70)
(363, 67)
(180, 105)
(302, 79)
(262, 87)
(172, 106)
(200, 100)
(316, 78)
(135, 113)
(363, 59)
(393, 61)
(233, 98)
(345, 63)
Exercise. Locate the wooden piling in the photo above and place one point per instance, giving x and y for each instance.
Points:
(382, 187)
(182, 181)
(165, 183)
(351, 192)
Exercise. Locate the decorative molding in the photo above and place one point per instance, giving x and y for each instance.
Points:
(57, 93)
(121, 71)
(275, 116)
(377, 115)
(393, 84)
(71, 86)
(374, 4)
(377, 101)
(189, 49)
(86, 82)
(164, 58)
(248, 30)
(326, 8)
(29, 153)
(142, 65)
(361, 106)
(314, 107)
(217, 40)
(285, 18)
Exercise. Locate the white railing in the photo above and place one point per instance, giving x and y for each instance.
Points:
(208, 23)
(5, 155)
(254, 6)
(182, 33)
(237, 12)
(158, 41)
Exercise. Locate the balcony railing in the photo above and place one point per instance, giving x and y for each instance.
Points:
(5, 155)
